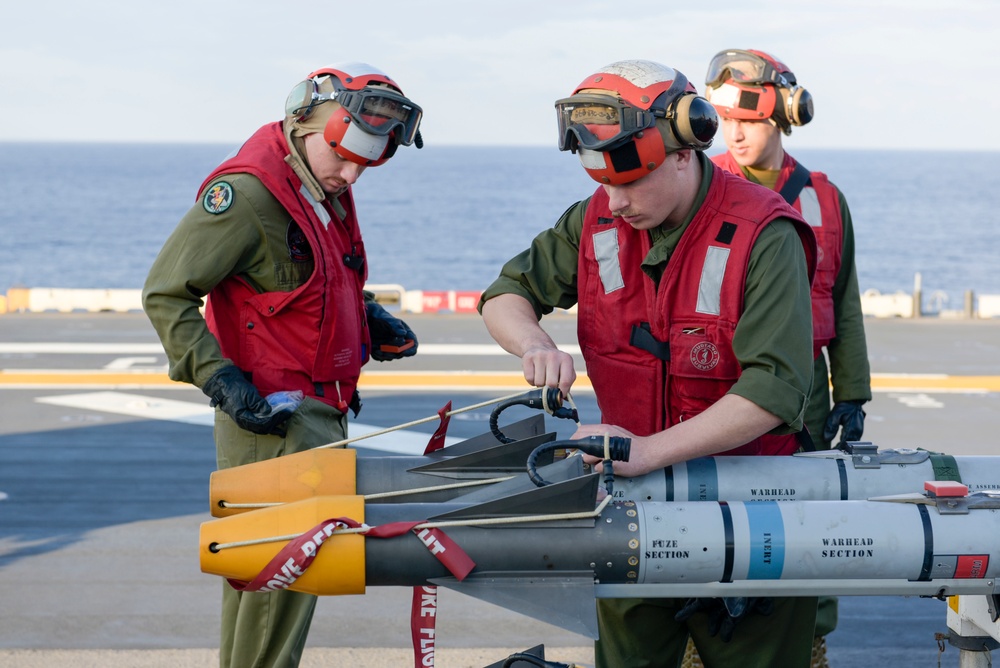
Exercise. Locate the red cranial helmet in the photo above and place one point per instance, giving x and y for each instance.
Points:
(626, 118)
(373, 117)
(753, 85)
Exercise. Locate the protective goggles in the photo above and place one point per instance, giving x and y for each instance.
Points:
(377, 111)
(578, 111)
(743, 67)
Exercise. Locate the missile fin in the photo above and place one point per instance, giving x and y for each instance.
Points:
(566, 600)
(575, 495)
(526, 428)
(502, 457)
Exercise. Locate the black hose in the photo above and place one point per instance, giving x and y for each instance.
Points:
(532, 399)
(618, 450)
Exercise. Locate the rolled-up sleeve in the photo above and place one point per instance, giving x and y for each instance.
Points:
(773, 339)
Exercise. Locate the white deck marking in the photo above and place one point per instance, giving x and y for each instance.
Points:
(120, 363)
(917, 400)
(402, 442)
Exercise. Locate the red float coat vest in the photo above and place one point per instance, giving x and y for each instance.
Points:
(819, 204)
(657, 356)
(314, 338)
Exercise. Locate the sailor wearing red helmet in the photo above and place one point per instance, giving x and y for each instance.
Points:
(759, 100)
(274, 244)
(692, 288)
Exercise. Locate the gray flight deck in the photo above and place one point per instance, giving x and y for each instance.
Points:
(100, 507)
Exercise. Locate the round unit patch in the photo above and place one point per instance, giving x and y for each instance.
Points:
(218, 198)
(705, 356)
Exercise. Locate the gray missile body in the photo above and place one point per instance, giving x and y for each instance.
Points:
(660, 543)
(861, 472)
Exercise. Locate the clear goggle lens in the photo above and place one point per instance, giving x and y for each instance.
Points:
(743, 67)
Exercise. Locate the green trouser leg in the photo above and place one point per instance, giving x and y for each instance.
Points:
(264, 630)
(268, 630)
(826, 615)
(815, 418)
(642, 633)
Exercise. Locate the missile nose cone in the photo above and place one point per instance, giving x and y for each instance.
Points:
(339, 566)
(302, 475)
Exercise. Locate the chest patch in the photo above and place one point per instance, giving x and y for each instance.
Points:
(218, 198)
(298, 246)
(705, 356)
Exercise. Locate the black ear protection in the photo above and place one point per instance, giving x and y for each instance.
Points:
(796, 104)
(692, 119)
(694, 122)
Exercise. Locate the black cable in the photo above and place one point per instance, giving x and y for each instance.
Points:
(618, 450)
(532, 399)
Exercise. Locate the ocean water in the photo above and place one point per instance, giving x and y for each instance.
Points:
(95, 215)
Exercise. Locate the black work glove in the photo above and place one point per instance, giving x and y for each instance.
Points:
(391, 338)
(723, 613)
(233, 393)
(848, 414)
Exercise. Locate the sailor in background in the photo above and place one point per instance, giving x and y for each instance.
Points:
(759, 100)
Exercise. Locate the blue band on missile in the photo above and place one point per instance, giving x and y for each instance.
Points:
(925, 519)
(842, 470)
(703, 480)
(767, 540)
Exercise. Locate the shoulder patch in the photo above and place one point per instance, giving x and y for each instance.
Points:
(218, 198)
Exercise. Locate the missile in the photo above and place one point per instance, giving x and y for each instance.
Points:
(548, 553)
(858, 472)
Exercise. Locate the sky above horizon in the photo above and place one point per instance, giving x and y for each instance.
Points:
(882, 73)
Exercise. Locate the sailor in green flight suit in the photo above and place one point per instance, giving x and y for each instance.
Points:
(274, 243)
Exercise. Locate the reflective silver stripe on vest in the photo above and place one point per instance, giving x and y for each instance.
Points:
(324, 215)
(606, 252)
(713, 272)
(809, 202)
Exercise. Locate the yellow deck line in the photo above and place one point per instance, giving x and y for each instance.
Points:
(445, 380)
(930, 383)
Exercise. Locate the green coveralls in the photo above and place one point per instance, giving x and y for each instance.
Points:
(849, 371)
(773, 342)
(248, 239)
